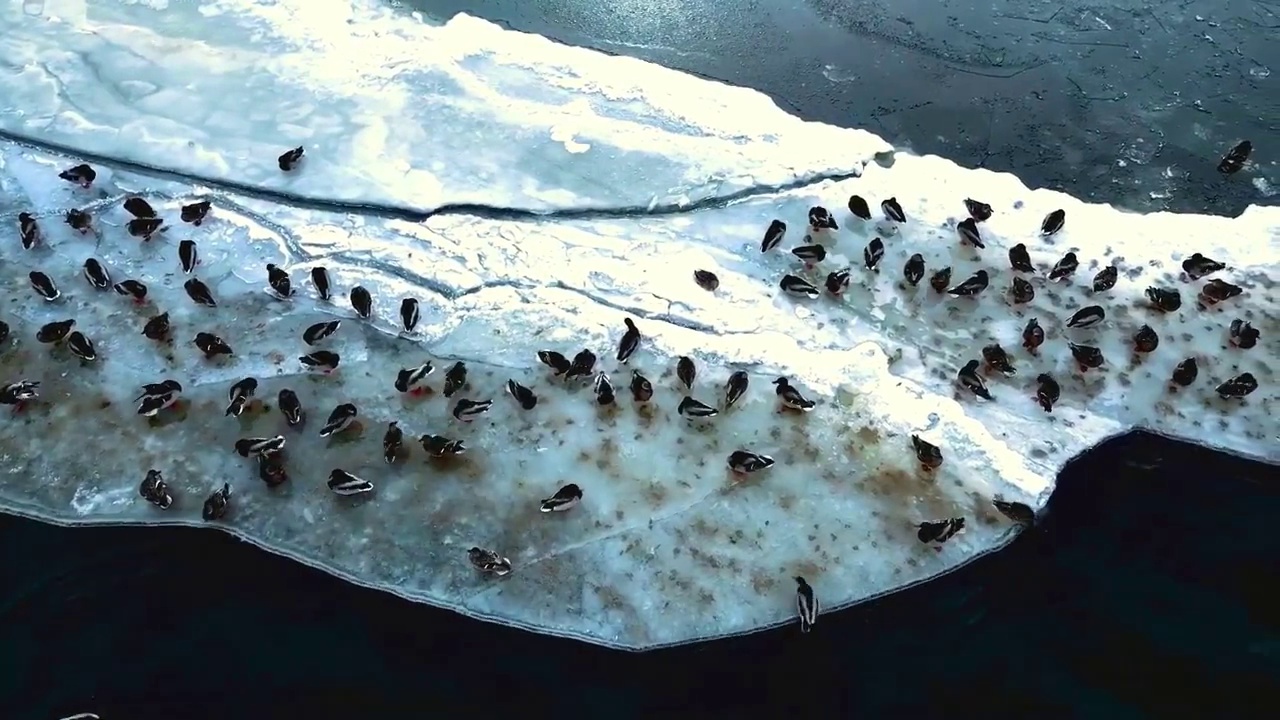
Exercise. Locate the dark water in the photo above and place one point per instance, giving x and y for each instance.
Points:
(1129, 102)
(1148, 591)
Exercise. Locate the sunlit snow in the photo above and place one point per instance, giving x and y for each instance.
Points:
(637, 176)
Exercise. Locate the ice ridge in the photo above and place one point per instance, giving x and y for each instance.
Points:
(412, 214)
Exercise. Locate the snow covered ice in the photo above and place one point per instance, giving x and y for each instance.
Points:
(637, 176)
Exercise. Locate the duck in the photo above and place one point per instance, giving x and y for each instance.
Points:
(1146, 340)
(1237, 387)
(913, 270)
(859, 208)
(81, 346)
(96, 274)
(564, 499)
(195, 212)
(967, 229)
(929, 455)
(290, 406)
(1021, 292)
(246, 447)
(1235, 158)
(199, 293)
(630, 341)
(409, 314)
(468, 410)
(972, 381)
(686, 371)
(1032, 336)
(489, 562)
(347, 484)
(361, 302)
(81, 174)
(28, 231)
(873, 253)
(157, 328)
(340, 419)
(971, 287)
(238, 396)
(838, 282)
(215, 507)
(155, 490)
(1105, 279)
(940, 280)
(55, 332)
(797, 286)
(1087, 317)
(1087, 356)
(1020, 259)
(455, 378)
(523, 396)
(1243, 335)
(1216, 291)
(806, 605)
(438, 446)
(996, 358)
(790, 398)
(19, 393)
(641, 387)
(583, 365)
(1185, 373)
(1164, 299)
(280, 284)
(1198, 266)
(1064, 268)
(603, 388)
(1047, 391)
(392, 441)
(409, 380)
(706, 280)
(319, 331)
(745, 462)
(289, 159)
(938, 532)
(810, 254)
(773, 236)
(558, 363)
(821, 219)
(209, 344)
(188, 256)
(893, 211)
(320, 280)
(1053, 222)
(133, 289)
(691, 408)
(735, 388)
(325, 361)
(978, 210)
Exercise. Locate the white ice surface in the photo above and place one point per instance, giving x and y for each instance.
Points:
(393, 110)
(665, 548)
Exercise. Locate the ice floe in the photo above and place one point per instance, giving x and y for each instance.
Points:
(393, 110)
(667, 545)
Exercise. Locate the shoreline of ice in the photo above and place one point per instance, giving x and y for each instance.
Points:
(618, 570)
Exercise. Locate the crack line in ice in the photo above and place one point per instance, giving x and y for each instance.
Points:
(400, 212)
